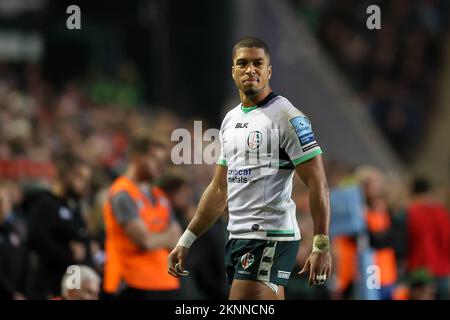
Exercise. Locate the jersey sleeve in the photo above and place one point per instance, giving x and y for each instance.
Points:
(297, 137)
(222, 159)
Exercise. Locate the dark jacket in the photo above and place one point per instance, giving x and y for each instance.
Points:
(13, 261)
(54, 223)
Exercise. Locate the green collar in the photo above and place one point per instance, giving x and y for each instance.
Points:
(269, 97)
(248, 109)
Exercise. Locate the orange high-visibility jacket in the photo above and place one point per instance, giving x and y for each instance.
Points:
(145, 270)
(379, 221)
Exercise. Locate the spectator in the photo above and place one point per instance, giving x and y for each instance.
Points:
(59, 235)
(428, 227)
(395, 69)
(379, 227)
(13, 251)
(89, 284)
(139, 228)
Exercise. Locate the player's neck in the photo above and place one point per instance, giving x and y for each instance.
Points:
(251, 101)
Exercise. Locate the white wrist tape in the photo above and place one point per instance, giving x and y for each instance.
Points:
(187, 239)
(321, 243)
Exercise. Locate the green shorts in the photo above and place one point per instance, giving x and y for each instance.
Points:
(261, 260)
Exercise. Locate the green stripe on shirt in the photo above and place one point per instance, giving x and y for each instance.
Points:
(280, 233)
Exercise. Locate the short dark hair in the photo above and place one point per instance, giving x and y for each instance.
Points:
(66, 161)
(143, 144)
(420, 185)
(250, 42)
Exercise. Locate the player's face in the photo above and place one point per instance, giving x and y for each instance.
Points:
(251, 70)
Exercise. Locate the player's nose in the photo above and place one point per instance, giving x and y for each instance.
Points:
(250, 69)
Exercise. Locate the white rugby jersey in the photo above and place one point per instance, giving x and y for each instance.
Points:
(260, 146)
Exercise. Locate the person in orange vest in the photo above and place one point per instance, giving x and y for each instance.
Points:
(379, 227)
(345, 253)
(140, 229)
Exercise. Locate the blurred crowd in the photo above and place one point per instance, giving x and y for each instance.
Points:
(92, 120)
(396, 69)
(405, 234)
(51, 203)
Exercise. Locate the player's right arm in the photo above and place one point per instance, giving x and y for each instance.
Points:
(212, 203)
(210, 208)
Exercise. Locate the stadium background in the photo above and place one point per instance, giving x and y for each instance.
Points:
(378, 99)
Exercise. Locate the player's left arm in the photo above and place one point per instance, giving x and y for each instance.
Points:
(313, 175)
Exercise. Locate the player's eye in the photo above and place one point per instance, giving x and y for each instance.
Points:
(241, 63)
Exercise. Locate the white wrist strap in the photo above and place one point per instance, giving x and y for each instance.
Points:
(187, 239)
(321, 243)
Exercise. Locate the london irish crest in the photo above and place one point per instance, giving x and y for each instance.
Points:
(247, 260)
(254, 139)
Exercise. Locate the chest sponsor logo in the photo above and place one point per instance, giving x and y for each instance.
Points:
(254, 139)
(238, 176)
(247, 260)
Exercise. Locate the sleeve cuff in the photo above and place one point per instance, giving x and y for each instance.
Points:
(222, 162)
(307, 157)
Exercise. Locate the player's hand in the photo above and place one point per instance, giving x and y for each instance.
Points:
(176, 261)
(319, 266)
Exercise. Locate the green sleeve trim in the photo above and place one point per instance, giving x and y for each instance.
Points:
(307, 157)
(248, 109)
(222, 162)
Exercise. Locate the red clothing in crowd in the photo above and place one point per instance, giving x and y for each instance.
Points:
(429, 238)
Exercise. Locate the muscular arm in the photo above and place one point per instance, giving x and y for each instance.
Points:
(312, 174)
(210, 207)
(212, 203)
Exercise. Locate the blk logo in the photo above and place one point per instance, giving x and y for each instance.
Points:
(241, 125)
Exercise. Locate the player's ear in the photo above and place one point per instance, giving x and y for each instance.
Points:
(232, 71)
(269, 70)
